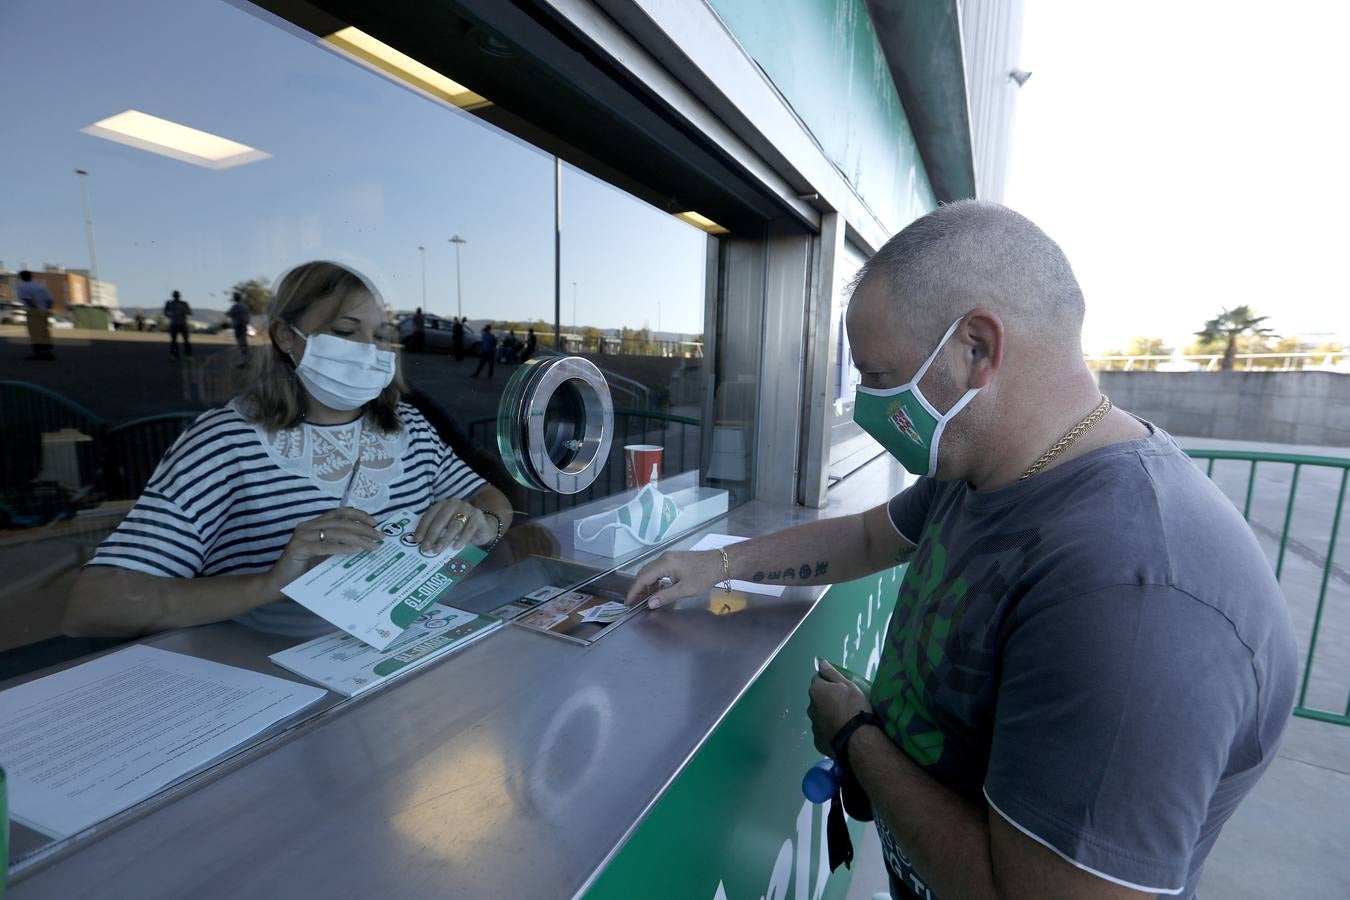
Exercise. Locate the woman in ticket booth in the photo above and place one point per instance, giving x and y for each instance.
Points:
(298, 467)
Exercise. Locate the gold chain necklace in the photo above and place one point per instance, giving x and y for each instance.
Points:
(1070, 438)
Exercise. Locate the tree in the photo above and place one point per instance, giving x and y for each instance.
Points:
(256, 294)
(1147, 346)
(1228, 326)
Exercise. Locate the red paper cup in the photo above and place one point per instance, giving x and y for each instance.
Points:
(642, 464)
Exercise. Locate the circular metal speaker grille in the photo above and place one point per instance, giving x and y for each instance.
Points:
(555, 424)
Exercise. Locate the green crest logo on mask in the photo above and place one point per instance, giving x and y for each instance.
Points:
(899, 417)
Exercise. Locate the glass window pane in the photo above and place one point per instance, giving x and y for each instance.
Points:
(173, 161)
(849, 446)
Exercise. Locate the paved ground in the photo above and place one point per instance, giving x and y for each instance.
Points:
(1291, 837)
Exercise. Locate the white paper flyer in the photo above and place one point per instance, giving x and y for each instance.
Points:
(375, 594)
(344, 664)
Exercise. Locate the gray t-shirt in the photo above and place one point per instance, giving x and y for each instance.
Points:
(1101, 653)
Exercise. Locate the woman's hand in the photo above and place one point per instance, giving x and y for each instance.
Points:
(456, 522)
(692, 574)
(342, 530)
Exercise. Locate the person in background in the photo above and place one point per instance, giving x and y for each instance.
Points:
(239, 316)
(1089, 663)
(140, 321)
(487, 355)
(299, 467)
(418, 340)
(457, 339)
(37, 301)
(531, 345)
(176, 310)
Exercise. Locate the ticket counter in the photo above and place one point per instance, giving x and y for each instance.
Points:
(604, 269)
(523, 765)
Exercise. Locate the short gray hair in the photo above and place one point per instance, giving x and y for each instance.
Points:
(976, 253)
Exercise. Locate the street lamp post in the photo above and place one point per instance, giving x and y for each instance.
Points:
(423, 251)
(89, 232)
(574, 306)
(459, 289)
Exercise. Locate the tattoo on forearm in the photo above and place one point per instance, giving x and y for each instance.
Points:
(790, 573)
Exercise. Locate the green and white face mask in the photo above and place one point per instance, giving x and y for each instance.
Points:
(647, 518)
(903, 421)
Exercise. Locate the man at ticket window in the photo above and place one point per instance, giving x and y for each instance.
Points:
(1089, 663)
(299, 467)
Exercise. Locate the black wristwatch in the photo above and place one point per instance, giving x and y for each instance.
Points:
(839, 743)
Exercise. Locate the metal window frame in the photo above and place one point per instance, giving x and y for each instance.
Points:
(688, 58)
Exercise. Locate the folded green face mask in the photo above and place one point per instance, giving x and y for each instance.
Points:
(647, 518)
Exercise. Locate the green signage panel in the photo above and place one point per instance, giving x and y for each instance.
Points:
(734, 825)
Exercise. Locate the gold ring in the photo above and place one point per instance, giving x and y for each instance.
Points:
(461, 518)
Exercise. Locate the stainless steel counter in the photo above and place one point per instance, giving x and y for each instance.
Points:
(514, 768)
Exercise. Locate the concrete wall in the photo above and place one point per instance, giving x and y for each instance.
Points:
(1282, 407)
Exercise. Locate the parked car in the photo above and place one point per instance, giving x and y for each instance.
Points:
(13, 314)
(437, 335)
(62, 322)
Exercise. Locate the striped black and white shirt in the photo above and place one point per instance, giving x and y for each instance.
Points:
(227, 496)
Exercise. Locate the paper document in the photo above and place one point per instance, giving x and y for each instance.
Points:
(714, 541)
(89, 742)
(605, 613)
(556, 611)
(350, 666)
(375, 594)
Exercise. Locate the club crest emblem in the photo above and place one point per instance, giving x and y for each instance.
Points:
(899, 417)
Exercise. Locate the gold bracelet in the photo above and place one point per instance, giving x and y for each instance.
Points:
(726, 569)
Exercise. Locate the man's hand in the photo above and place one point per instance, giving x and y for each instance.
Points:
(834, 700)
(691, 574)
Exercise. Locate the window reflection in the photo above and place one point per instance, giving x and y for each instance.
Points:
(177, 408)
(850, 446)
(183, 155)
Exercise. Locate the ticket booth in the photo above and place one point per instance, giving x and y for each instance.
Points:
(565, 171)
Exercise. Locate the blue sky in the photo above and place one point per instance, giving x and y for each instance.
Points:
(361, 171)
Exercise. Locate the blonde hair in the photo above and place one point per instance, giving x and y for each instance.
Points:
(276, 399)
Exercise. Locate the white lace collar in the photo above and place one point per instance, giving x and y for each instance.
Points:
(326, 455)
